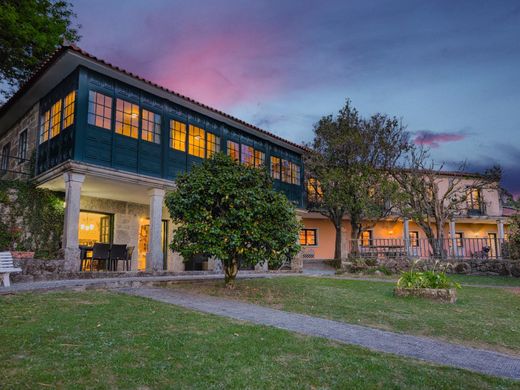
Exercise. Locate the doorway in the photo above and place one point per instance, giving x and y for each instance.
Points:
(492, 237)
(142, 246)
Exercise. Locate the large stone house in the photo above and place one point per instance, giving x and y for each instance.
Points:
(115, 142)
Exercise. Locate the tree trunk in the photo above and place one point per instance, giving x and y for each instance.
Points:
(337, 249)
(230, 272)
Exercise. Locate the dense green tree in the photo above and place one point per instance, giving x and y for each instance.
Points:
(29, 31)
(514, 237)
(231, 211)
(348, 166)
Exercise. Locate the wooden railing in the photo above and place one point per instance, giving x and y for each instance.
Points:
(448, 248)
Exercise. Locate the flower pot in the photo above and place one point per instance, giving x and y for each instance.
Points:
(22, 255)
(446, 295)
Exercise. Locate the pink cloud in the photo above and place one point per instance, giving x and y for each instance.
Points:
(221, 69)
(429, 138)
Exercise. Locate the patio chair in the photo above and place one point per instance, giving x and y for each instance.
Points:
(100, 254)
(128, 260)
(117, 253)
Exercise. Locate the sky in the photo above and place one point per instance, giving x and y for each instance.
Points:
(449, 69)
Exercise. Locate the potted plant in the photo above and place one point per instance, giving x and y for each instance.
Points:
(430, 284)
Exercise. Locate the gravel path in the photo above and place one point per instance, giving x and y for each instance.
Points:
(486, 362)
(125, 281)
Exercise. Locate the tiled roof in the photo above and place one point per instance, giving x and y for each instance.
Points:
(47, 63)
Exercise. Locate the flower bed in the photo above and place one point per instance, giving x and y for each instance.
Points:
(447, 295)
(430, 284)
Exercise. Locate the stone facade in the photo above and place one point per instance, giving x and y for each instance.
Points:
(28, 122)
(128, 218)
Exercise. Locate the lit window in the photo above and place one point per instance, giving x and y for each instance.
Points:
(177, 135)
(259, 159)
(275, 167)
(196, 142)
(414, 239)
(233, 151)
(286, 171)
(127, 118)
(46, 124)
(55, 119)
(295, 174)
(151, 127)
(248, 155)
(68, 109)
(314, 192)
(22, 146)
(99, 110)
(366, 238)
(308, 237)
(213, 144)
(473, 199)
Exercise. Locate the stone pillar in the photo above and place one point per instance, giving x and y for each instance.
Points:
(154, 256)
(406, 235)
(500, 236)
(454, 248)
(73, 182)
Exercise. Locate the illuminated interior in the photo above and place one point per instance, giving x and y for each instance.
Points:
(94, 227)
(144, 233)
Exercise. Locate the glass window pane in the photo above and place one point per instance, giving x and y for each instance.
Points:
(99, 110)
(127, 118)
(233, 151)
(213, 144)
(275, 167)
(247, 155)
(151, 127)
(196, 141)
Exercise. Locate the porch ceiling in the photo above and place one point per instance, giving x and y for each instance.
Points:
(105, 183)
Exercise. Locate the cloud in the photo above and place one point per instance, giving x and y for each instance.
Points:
(433, 139)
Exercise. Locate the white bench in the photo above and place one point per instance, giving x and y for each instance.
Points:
(6, 267)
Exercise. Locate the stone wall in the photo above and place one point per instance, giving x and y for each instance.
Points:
(28, 122)
(489, 267)
(127, 220)
(36, 269)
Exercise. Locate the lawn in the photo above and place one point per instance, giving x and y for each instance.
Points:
(103, 340)
(482, 317)
(473, 280)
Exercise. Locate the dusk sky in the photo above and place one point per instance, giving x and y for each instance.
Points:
(450, 69)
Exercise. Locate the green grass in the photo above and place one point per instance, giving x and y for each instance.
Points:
(486, 280)
(101, 340)
(473, 280)
(482, 317)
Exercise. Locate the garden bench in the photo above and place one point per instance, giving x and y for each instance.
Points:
(6, 267)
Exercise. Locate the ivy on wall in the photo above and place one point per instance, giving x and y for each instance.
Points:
(31, 219)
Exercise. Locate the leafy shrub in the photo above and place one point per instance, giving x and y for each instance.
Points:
(513, 246)
(425, 279)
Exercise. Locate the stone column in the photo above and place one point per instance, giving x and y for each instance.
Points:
(454, 248)
(154, 256)
(406, 235)
(73, 182)
(500, 236)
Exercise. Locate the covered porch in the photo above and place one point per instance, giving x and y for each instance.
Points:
(464, 238)
(114, 208)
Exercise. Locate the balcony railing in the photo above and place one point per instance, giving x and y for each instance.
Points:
(465, 248)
